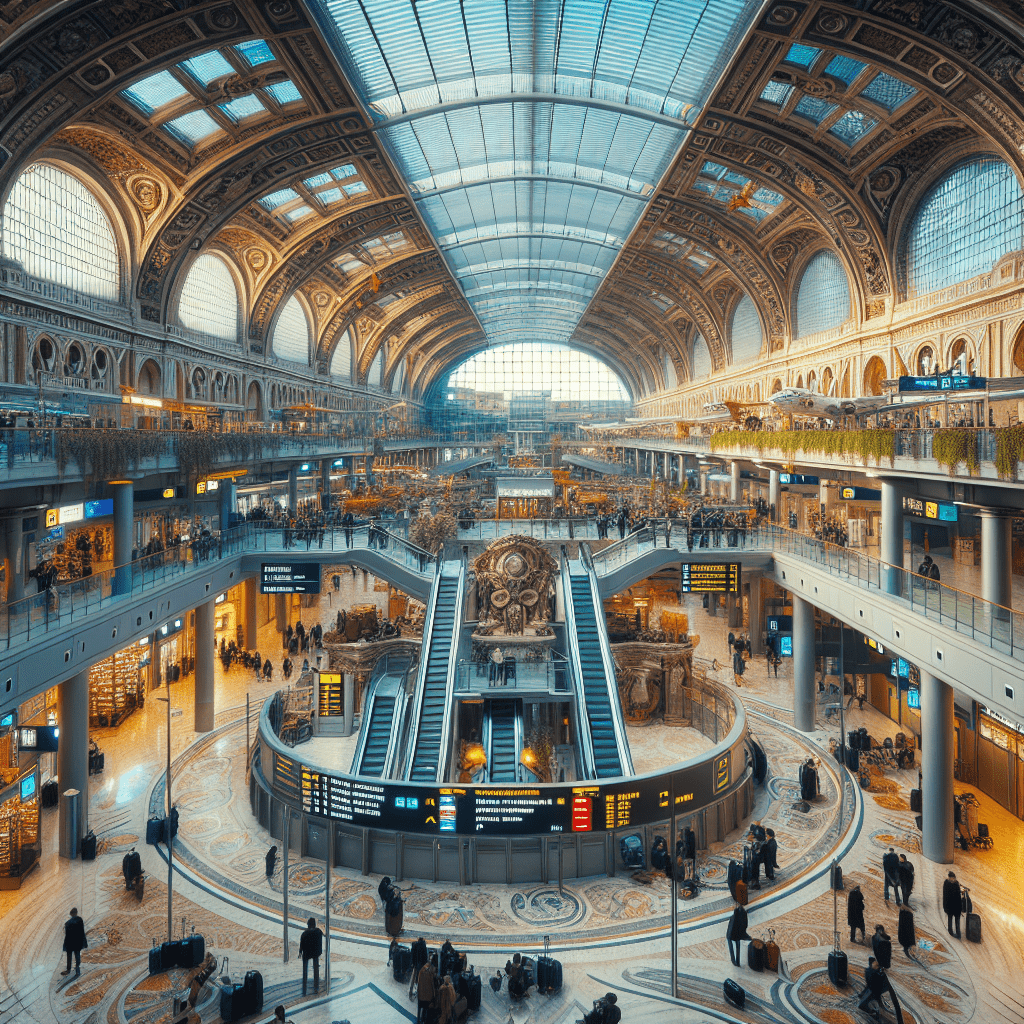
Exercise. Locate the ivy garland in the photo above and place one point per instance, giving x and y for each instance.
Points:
(878, 444)
(953, 446)
(1009, 451)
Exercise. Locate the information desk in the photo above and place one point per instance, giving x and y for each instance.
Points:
(404, 828)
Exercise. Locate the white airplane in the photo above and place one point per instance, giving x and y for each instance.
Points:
(802, 402)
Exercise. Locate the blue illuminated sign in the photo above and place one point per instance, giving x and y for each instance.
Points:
(947, 382)
(447, 813)
(904, 668)
(103, 507)
(7, 720)
(28, 788)
(786, 646)
(797, 478)
(913, 698)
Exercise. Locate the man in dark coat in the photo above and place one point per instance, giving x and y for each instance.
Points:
(271, 860)
(855, 913)
(74, 941)
(891, 870)
(419, 959)
(736, 932)
(881, 946)
(311, 947)
(952, 903)
(875, 985)
(906, 876)
(906, 934)
(769, 854)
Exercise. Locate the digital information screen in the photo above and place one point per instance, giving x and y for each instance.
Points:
(282, 578)
(947, 382)
(711, 577)
(943, 511)
(330, 702)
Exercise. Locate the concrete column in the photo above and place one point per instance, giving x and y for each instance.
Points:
(325, 484)
(124, 523)
(249, 592)
(756, 614)
(803, 664)
(349, 695)
(774, 493)
(936, 769)
(281, 612)
(891, 528)
(204, 668)
(228, 503)
(15, 560)
(293, 488)
(665, 467)
(734, 483)
(703, 481)
(996, 562)
(73, 742)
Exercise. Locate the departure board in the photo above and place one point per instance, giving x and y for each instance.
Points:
(289, 578)
(287, 774)
(711, 577)
(509, 810)
(330, 701)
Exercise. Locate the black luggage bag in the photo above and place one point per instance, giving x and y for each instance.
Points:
(89, 846)
(154, 831)
(232, 1002)
(468, 986)
(734, 993)
(973, 928)
(915, 801)
(755, 955)
(191, 951)
(549, 974)
(254, 992)
(168, 955)
(401, 963)
(156, 964)
(51, 794)
(838, 968)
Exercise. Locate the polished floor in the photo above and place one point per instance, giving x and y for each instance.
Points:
(609, 933)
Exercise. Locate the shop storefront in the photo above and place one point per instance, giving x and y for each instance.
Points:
(175, 650)
(117, 686)
(999, 756)
(20, 846)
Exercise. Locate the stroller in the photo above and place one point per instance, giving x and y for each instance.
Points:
(631, 848)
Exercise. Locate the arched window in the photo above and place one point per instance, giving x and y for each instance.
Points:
(701, 359)
(398, 379)
(291, 335)
(341, 361)
(822, 296)
(376, 368)
(55, 228)
(874, 374)
(669, 370)
(967, 220)
(745, 331)
(209, 299)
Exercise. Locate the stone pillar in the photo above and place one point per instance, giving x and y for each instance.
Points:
(15, 560)
(734, 483)
(124, 523)
(803, 664)
(349, 695)
(936, 769)
(204, 702)
(891, 528)
(249, 592)
(755, 614)
(704, 482)
(73, 742)
(281, 612)
(293, 487)
(325, 484)
(996, 562)
(228, 503)
(774, 494)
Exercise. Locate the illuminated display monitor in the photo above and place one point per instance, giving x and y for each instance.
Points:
(710, 577)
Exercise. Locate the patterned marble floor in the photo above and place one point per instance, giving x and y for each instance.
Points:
(609, 933)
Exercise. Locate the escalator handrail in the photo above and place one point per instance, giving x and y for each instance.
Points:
(517, 731)
(421, 670)
(447, 720)
(614, 702)
(398, 714)
(585, 739)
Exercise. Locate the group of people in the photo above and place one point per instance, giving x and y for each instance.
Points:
(297, 640)
(437, 1001)
(231, 654)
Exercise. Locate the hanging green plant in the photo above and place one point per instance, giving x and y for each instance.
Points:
(877, 444)
(1009, 450)
(951, 447)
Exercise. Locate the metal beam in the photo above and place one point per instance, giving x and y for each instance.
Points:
(561, 179)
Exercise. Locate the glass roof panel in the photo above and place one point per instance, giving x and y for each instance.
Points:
(801, 55)
(814, 109)
(193, 127)
(154, 92)
(846, 69)
(852, 126)
(275, 199)
(317, 180)
(330, 195)
(208, 67)
(243, 107)
(353, 188)
(888, 91)
(255, 51)
(284, 92)
(526, 130)
(777, 93)
(344, 171)
(299, 211)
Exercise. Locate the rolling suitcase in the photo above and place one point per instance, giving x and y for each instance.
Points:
(838, 966)
(549, 974)
(89, 846)
(741, 893)
(735, 875)
(837, 877)
(156, 964)
(393, 917)
(191, 951)
(734, 993)
(401, 964)
(253, 992)
(51, 794)
(973, 928)
(232, 1002)
(771, 956)
(755, 955)
(471, 988)
(915, 801)
(154, 831)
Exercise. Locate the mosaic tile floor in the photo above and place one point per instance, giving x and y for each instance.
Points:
(609, 933)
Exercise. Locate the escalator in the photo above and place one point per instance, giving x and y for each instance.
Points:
(436, 675)
(594, 676)
(504, 735)
(385, 695)
(378, 736)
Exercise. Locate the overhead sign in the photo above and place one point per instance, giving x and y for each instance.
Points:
(95, 509)
(797, 478)
(168, 492)
(943, 511)
(946, 382)
(38, 737)
(780, 623)
(65, 514)
(711, 577)
(859, 494)
(280, 578)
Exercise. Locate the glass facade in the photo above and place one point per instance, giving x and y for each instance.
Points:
(291, 333)
(745, 332)
(702, 364)
(823, 296)
(209, 299)
(341, 359)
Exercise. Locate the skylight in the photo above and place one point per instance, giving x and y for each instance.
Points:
(243, 107)
(802, 56)
(284, 92)
(255, 52)
(317, 180)
(299, 211)
(331, 195)
(852, 126)
(846, 69)
(815, 109)
(155, 92)
(208, 67)
(354, 188)
(193, 127)
(777, 93)
(276, 199)
(344, 171)
(888, 92)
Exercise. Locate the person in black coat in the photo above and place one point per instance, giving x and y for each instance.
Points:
(906, 877)
(881, 946)
(311, 947)
(875, 985)
(906, 934)
(384, 890)
(271, 860)
(736, 932)
(419, 959)
(74, 941)
(770, 854)
(952, 903)
(855, 913)
(891, 870)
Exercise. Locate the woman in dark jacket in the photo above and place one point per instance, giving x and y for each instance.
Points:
(736, 932)
(952, 903)
(905, 931)
(881, 946)
(855, 913)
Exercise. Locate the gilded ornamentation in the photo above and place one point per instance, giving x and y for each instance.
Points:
(514, 582)
(146, 192)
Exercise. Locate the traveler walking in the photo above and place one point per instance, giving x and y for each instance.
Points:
(952, 903)
(311, 947)
(74, 941)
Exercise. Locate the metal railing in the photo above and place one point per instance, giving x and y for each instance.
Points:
(475, 677)
(682, 538)
(540, 529)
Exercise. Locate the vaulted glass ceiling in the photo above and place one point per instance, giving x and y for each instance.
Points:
(532, 133)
